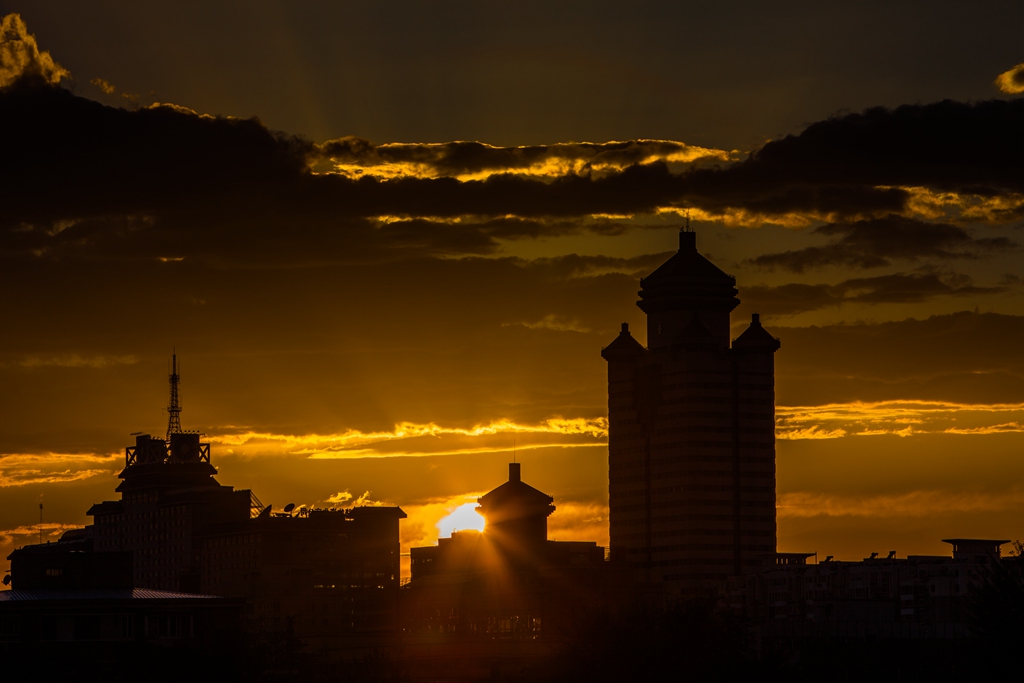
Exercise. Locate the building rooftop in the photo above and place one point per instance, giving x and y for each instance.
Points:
(756, 336)
(514, 499)
(623, 346)
(687, 266)
(41, 594)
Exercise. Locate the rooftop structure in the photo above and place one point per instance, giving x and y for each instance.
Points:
(168, 496)
(509, 582)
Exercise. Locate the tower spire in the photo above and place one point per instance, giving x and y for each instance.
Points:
(174, 409)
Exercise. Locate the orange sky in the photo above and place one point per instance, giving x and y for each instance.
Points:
(386, 321)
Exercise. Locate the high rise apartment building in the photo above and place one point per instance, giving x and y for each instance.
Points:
(691, 431)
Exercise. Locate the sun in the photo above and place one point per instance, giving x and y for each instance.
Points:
(462, 518)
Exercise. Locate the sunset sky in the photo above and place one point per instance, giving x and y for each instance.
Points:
(389, 239)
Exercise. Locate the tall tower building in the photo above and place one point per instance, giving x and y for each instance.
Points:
(169, 497)
(691, 431)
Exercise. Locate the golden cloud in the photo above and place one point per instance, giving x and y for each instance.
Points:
(26, 477)
(579, 521)
(410, 439)
(744, 218)
(812, 432)
(30, 534)
(465, 161)
(20, 55)
(339, 498)
(960, 207)
(23, 469)
(104, 85)
(1012, 81)
(900, 418)
(346, 499)
(430, 439)
(1006, 427)
(922, 202)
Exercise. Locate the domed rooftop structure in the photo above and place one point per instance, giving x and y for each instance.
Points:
(516, 513)
(688, 280)
(756, 337)
(624, 346)
(685, 286)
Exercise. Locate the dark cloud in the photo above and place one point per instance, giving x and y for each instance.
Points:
(874, 242)
(794, 298)
(467, 158)
(576, 266)
(852, 164)
(85, 180)
(968, 357)
(74, 158)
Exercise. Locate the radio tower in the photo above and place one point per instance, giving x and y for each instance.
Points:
(174, 410)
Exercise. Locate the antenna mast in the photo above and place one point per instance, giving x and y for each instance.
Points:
(174, 409)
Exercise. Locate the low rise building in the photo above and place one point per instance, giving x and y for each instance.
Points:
(509, 582)
(323, 575)
(72, 611)
(916, 597)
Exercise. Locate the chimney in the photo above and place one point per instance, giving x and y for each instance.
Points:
(513, 471)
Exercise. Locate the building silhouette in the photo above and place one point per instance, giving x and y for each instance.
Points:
(327, 577)
(918, 597)
(509, 582)
(169, 496)
(73, 611)
(691, 432)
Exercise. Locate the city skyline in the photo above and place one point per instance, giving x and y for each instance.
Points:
(379, 305)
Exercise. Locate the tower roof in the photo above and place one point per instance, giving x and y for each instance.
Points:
(688, 281)
(514, 499)
(756, 337)
(623, 347)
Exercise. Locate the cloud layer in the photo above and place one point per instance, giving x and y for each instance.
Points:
(355, 157)
(877, 242)
(85, 180)
(898, 288)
